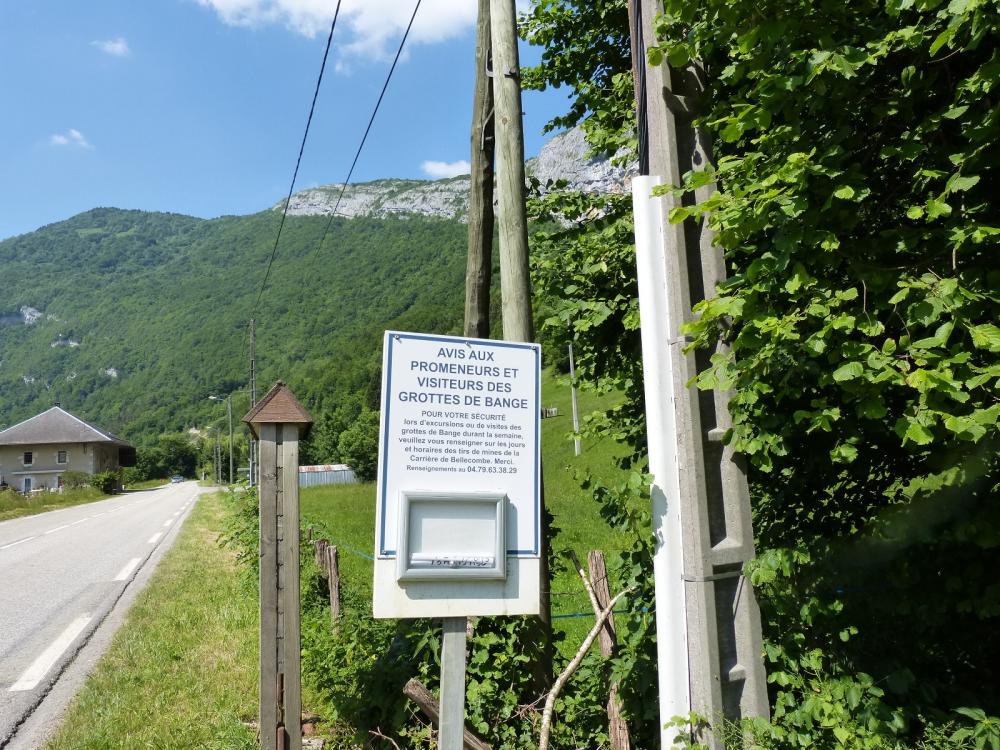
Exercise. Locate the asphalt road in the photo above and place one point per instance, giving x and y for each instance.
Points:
(61, 574)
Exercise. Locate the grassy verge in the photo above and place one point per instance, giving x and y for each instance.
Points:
(149, 484)
(182, 671)
(15, 505)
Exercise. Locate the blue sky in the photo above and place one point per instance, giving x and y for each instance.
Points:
(198, 106)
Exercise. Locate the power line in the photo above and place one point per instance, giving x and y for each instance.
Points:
(298, 161)
(371, 120)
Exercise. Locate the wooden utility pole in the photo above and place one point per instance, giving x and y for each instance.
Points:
(279, 421)
(478, 275)
(515, 281)
(252, 447)
(479, 270)
(701, 500)
(618, 735)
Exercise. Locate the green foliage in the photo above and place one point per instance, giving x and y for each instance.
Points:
(171, 454)
(106, 482)
(984, 732)
(322, 446)
(586, 48)
(165, 300)
(854, 149)
(360, 667)
(74, 480)
(358, 445)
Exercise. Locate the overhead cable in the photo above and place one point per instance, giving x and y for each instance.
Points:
(371, 120)
(298, 162)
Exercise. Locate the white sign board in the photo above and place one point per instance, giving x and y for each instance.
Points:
(458, 524)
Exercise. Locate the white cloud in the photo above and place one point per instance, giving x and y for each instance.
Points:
(71, 137)
(441, 169)
(367, 28)
(115, 47)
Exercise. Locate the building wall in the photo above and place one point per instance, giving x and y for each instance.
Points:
(318, 478)
(89, 458)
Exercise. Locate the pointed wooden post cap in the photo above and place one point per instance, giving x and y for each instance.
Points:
(279, 406)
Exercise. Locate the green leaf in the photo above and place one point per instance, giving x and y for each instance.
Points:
(849, 371)
(844, 192)
(844, 453)
(986, 336)
(679, 56)
(959, 183)
(917, 433)
(976, 714)
(955, 112)
(941, 40)
(936, 208)
(678, 214)
(963, 426)
(914, 212)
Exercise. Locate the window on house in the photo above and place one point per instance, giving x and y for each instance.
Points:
(29, 458)
(61, 457)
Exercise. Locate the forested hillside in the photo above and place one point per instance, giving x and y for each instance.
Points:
(133, 319)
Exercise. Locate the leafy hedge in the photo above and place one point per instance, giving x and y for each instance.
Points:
(856, 155)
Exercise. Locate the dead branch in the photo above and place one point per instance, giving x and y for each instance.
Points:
(550, 701)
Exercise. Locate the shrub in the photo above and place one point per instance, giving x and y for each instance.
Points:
(107, 482)
(74, 480)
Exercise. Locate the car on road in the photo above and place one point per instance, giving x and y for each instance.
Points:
(176, 479)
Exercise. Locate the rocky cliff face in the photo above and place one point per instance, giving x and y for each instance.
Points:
(565, 158)
(562, 158)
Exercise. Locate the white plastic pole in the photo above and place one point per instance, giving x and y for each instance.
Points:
(668, 559)
(576, 410)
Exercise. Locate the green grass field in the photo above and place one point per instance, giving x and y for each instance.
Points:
(345, 514)
(182, 670)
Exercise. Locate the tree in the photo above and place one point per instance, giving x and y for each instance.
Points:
(322, 444)
(855, 146)
(358, 445)
(172, 454)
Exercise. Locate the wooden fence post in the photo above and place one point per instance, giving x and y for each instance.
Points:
(617, 728)
(333, 580)
(278, 420)
(320, 551)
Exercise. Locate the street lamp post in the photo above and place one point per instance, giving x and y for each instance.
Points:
(229, 410)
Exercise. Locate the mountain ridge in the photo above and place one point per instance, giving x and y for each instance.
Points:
(566, 156)
(132, 318)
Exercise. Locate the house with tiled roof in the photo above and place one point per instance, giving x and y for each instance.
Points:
(36, 453)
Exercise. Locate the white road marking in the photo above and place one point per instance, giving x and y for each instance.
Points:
(127, 570)
(57, 528)
(168, 522)
(76, 522)
(40, 666)
(155, 538)
(19, 541)
(97, 515)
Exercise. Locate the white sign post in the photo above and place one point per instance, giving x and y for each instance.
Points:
(458, 519)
